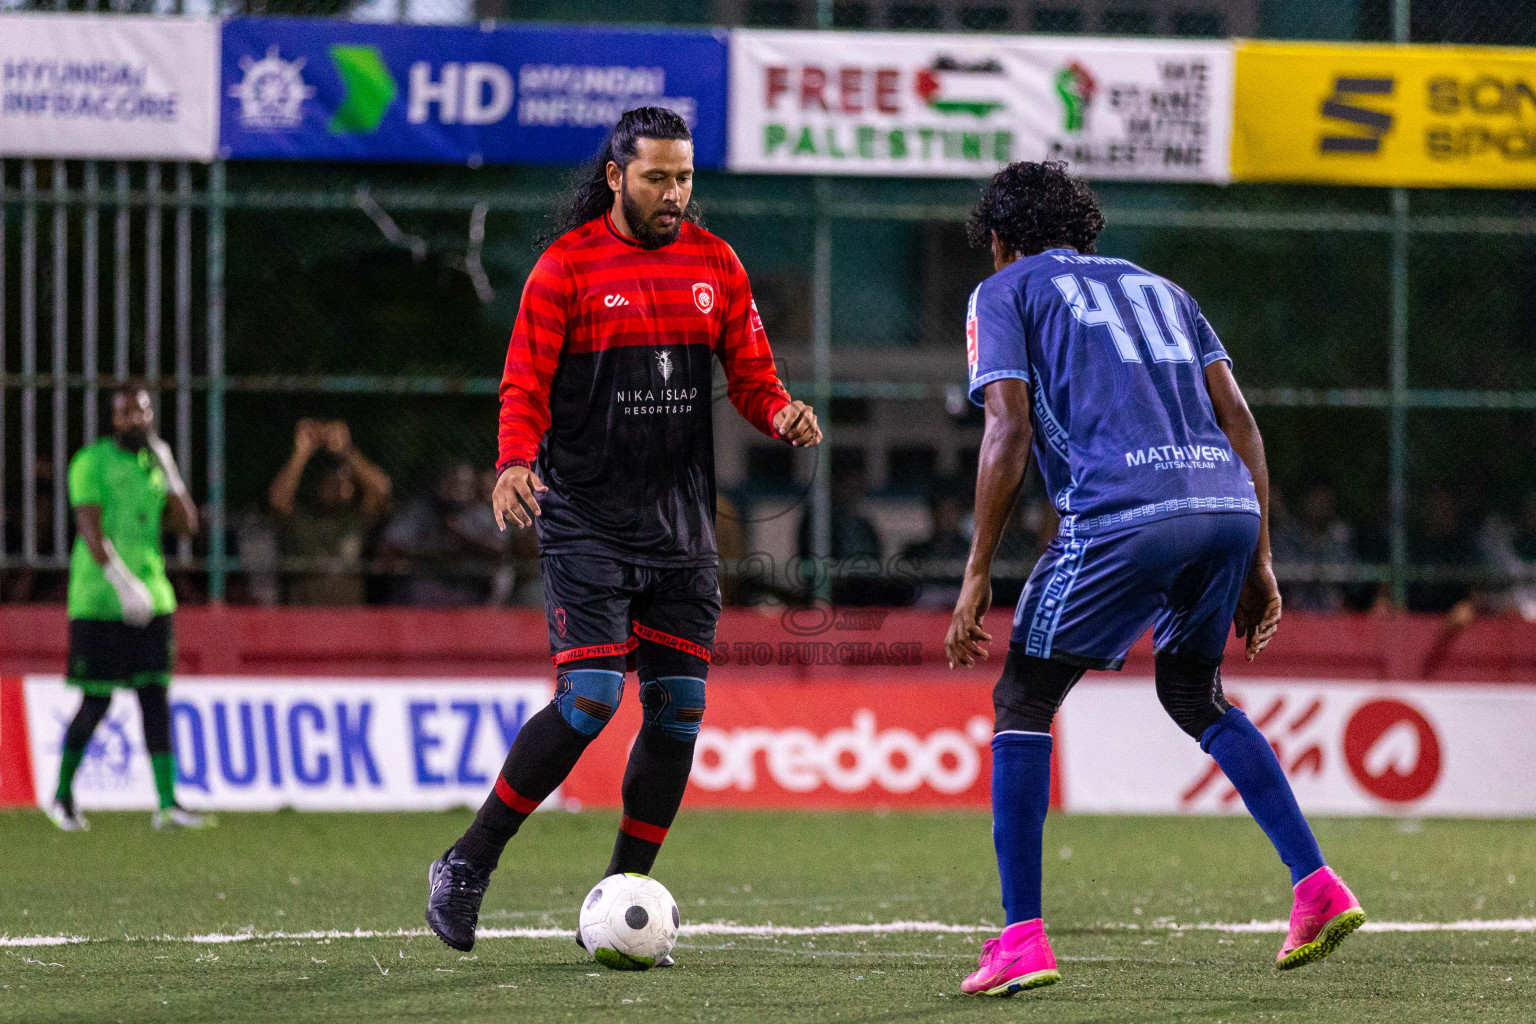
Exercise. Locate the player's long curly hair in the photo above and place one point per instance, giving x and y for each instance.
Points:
(1035, 206)
(589, 196)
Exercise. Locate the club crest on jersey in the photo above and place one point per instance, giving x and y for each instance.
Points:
(704, 297)
(664, 364)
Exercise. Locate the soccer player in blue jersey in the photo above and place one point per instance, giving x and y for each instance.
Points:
(1115, 380)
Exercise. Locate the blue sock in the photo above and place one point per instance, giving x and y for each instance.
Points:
(1021, 793)
(1252, 767)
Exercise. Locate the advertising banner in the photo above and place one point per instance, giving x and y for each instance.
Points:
(963, 106)
(333, 90)
(108, 87)
(1385, 115)
(1348, 748)
(819, 745)
(412, 744)
(261, 744)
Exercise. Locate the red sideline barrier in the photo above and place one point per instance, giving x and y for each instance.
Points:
(864, 644)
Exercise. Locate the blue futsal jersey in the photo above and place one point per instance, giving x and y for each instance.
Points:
(1115, 357)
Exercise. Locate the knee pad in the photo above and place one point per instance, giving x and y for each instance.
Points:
(1029, 691)
(588, 697)
(675, 705)
(1189, 688)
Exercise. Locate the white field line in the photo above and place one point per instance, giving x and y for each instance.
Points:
(730, 928)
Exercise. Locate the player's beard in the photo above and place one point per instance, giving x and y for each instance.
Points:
(645, 234)
(132, 440)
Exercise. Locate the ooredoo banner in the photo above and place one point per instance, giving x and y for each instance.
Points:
(107, 86)
(964, 106)
(822, 745)
(261, 744)
(1385, 115)
(308, 89)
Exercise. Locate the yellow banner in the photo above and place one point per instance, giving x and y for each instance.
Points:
(1385, 115)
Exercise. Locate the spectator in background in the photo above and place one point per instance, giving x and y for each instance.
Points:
(853, 534)
(448, 546)
(1317, 539)
(939, 561)
(1438, 541)
(22, 584)
(731, 543)
(522, 574)
(857, 572)
(1509, 548)
(344, 496)
(1029, 530)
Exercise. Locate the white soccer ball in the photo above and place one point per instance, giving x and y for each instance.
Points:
(628, 922)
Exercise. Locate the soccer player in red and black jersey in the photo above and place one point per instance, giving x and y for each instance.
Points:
(607, 446)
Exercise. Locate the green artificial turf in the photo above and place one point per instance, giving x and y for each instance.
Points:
(291, 872)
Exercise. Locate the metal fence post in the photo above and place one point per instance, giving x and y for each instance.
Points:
(60, 363)
(1397, 427)
(183, 331)
(153, 230)
(90, 271)
(821, 391)
(3, 389)
(1397, 430)
(29, 360)
(216, 382)
(120, 229)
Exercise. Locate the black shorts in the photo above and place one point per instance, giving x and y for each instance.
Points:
(103, 655)
(599, 607)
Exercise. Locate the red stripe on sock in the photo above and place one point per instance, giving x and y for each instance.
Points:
(513, 799)
(640, 830)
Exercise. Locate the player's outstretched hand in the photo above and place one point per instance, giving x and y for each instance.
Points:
(796, 423)
(963, 644)
(514, 497)
(1258, 608)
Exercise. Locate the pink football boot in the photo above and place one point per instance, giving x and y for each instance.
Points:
(1324, 914)
(1020, 958)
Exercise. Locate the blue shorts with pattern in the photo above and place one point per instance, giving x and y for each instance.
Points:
(1090, 598)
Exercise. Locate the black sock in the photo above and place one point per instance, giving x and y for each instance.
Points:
(654, 782)
(545, 751)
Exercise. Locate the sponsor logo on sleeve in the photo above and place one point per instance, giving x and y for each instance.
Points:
(972, 333)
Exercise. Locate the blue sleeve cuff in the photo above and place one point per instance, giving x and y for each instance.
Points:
(981, 382)
(1216, 357)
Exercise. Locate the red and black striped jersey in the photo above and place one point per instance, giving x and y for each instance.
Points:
(608, 387)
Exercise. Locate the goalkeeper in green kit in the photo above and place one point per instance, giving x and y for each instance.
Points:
(120, 602)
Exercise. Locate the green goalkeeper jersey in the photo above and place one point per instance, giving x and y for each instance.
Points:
(130, 488)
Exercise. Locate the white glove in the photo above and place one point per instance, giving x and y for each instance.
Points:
(162, 451)
(132, 594)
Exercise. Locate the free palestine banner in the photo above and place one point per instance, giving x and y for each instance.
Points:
(964, 106)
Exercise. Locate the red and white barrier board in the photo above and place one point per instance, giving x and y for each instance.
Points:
(1349, 748)
(379, 744)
